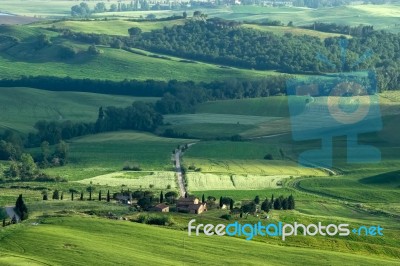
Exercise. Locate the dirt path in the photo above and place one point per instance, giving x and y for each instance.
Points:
(10, 212)
(178, 169)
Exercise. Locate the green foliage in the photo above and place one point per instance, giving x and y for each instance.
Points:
(265, 206)
(21, 209)
(56, 195)
(155, 219)
(249, 207)
(93, 50)
(257, 200)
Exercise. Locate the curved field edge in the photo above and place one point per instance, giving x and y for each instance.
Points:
(65, 239)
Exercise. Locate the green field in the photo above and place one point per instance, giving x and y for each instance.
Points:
(22, 112)
(109, 27)
(134, 180)
(281, 30)
(380, 16)
(200, 181)
(107, 240)
(106, 153)
(111, 64)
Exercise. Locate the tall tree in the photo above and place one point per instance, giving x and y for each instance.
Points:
(100, 195)
(56, 195)
(20, 208)
(265, 206)
(257, 200)
(108, 196)
(161, 197)
(291, 202)
(90, 189)
(203, 200)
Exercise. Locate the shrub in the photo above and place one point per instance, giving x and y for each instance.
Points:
(226, 216)
(66, 52)
(268, 157)
(154, 219)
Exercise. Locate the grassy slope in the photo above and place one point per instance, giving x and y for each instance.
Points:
(110, 27)
(105, 153)
(139, 244)
(380, 16)
(22, 112)
(112, 64)
(293, 30)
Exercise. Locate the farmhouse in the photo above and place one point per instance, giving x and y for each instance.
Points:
(161, 208)
(190, 205)
(124, 199)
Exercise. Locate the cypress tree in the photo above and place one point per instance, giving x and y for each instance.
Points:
(81, 196)
(161, 197)
(108, 196)
(257, 200)
(62, 196)
(4, 222)
(265, 206)
(203, 199)
(220, 202)
(100, 195)
(231, 204)
(291, 202)
(21, 209)
(72, 196)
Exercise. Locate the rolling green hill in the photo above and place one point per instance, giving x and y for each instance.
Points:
(111, 64)
(22, 112)
(380, 16)
(109, 27)
(105, 241)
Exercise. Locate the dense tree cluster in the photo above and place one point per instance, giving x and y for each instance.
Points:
(222, 42)
(360, 30)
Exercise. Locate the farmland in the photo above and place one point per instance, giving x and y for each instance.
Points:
(109, 27)
(108, 152)
(100, 243)
(33, 105)
(241, 145)
(115, 65)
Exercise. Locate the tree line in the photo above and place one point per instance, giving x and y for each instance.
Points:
(225, 42)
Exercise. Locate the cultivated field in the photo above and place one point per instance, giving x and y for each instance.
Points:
(134, 180)
(201, 182)
(22, 112)
(106, 240)
(106, 153)
(109, 27)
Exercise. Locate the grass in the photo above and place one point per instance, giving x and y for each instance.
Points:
(200, 181)
(380, 16)
(106, 153)
(110, 27)
(22, 112)
(129, 242)
(276, 106)
(154, 180)
(111, 64)
(281, 30)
